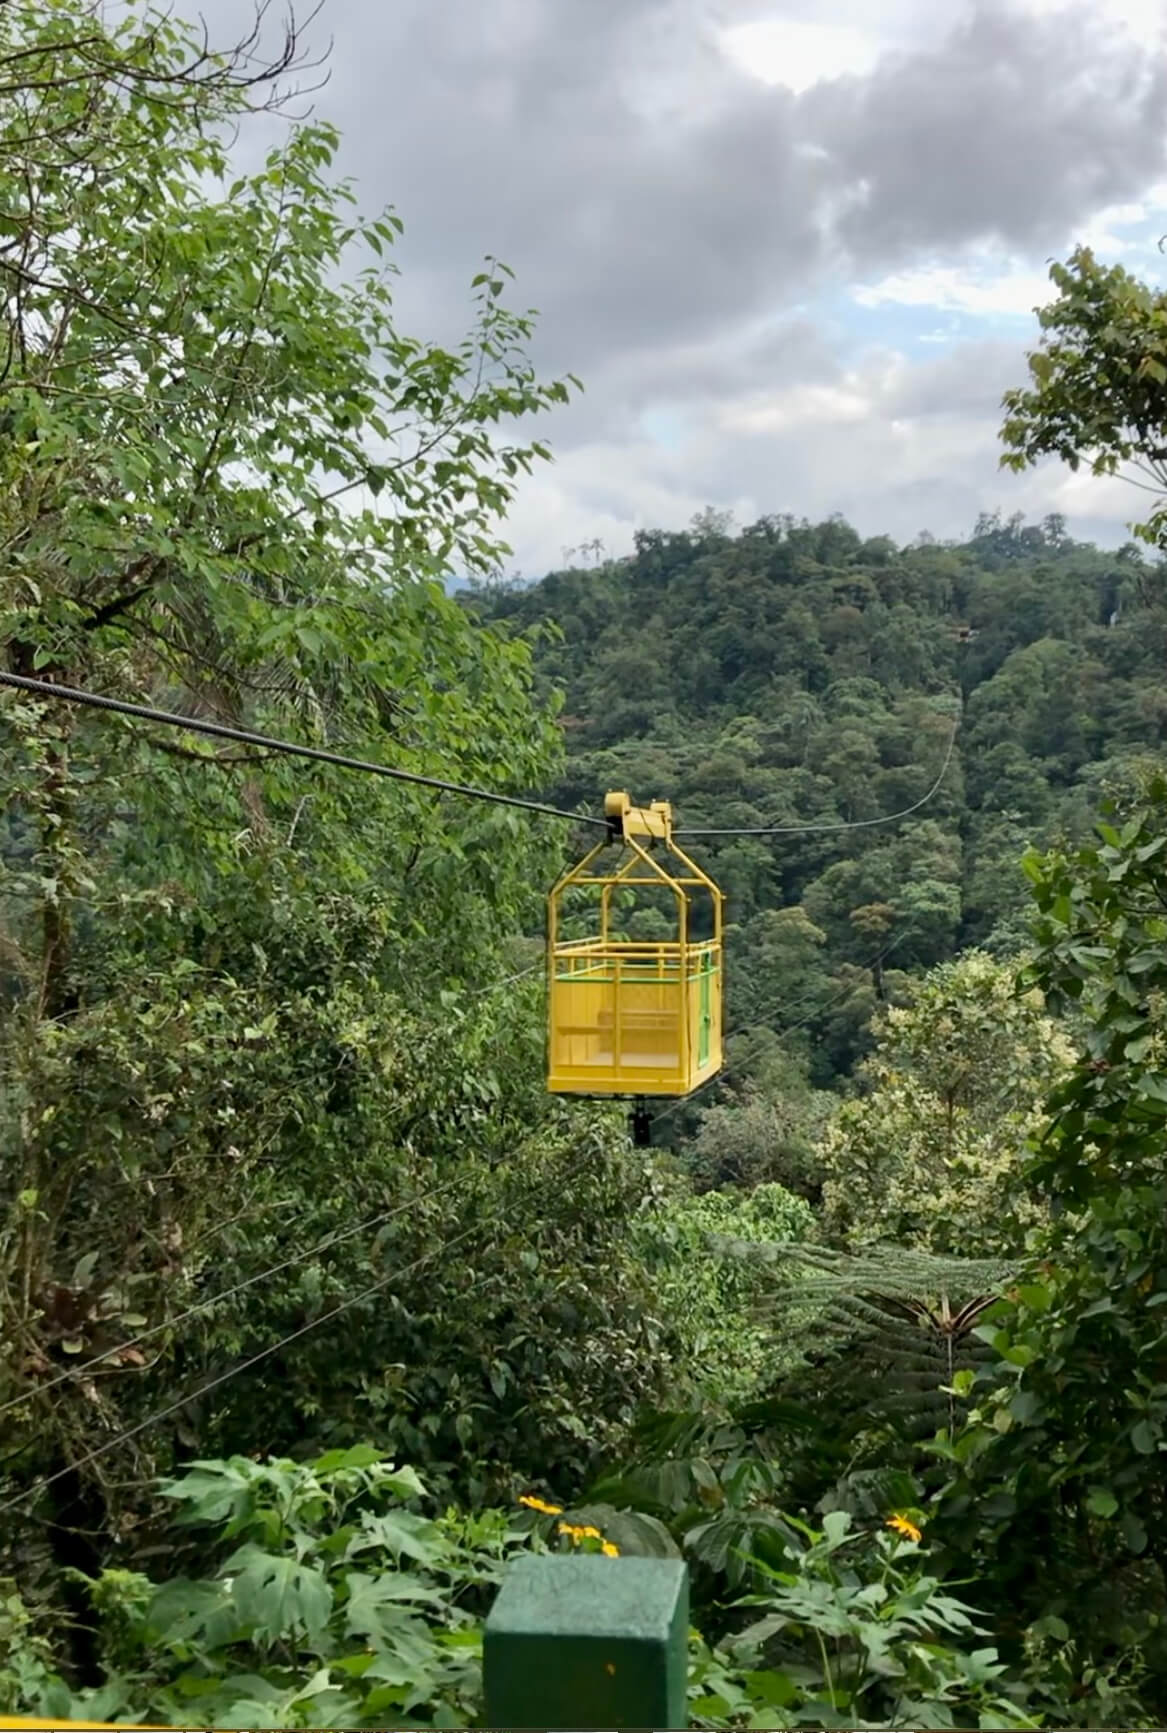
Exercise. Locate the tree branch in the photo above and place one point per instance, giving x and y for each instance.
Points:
(226, 760)
(119, 605)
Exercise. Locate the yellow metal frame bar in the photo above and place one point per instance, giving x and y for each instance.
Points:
(656, 875)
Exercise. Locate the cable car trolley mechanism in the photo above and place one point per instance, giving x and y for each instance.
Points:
(634, 1017)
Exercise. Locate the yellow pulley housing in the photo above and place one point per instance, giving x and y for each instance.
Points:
(635, 1017)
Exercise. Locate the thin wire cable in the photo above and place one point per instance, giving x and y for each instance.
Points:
(124, 1437)
(850, 824)
(246, 737)
(71, 1373)
(216, 730)
(497, 986)
(155, 1419)
(219, 730)
(866, 967)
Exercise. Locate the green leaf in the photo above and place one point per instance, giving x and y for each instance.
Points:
(356, 1456)
(1145, 1438)
(405, 1482)
(1020, 1354)
(279, 1598)
(1133, 1532)
(836, 1526)
(377, 1605)
(1101, 1501)
(182, 1611)
(1025, 1406)
(399, 1533)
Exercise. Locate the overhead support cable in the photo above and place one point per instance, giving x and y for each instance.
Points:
(841, 824)
(292, 748)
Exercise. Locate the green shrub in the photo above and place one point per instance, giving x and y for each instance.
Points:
(712, 1297)
(330, 1599)
(851, 1630)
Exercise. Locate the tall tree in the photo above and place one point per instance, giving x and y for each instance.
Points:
(229, 483)
(1096, 392)
(930, 1156)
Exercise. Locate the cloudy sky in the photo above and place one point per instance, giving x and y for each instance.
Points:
(792, 247)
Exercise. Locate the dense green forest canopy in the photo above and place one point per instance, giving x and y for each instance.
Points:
(316, 1310)
(795, 675)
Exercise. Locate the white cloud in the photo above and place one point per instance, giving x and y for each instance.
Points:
(1102, 231)
(896, 445)
(798, 53)
(801, 406)
(987, 284)
(687, 188)
(1013, 291)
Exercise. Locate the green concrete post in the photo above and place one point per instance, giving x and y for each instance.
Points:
(586, 1642)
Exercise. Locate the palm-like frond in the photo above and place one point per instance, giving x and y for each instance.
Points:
(879, 1335)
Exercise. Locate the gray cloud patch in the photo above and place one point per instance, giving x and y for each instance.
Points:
(524, 127)
(685, 383)
(545, 133)
(969, 380)
(789, 351)
(895, 447)
(1012, 129)
(674, 219)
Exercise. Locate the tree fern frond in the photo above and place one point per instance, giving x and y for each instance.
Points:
(899, 1272)
(880, 1333)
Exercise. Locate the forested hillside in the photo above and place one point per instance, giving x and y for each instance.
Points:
(795, 676)
(318, 1311)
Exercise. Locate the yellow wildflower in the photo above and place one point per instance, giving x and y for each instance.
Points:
(610, 1551)
(577, 1532)
(541, 1505)
(904, 1527)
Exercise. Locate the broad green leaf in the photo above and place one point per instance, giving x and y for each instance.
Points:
(1145, 1437)
(400, 1533)
(376, 1605)
(279, 1598)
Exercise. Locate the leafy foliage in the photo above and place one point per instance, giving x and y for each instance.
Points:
(714, 1297)
(1096, 391)
(1067, 1427)
(271, 1067)
(870, 1349)
(928, 1155)
(852, 1631)
(330, 1597)
(792, 674)
(262, 1096)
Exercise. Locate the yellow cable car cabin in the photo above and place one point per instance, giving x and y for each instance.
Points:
(634, 1017)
